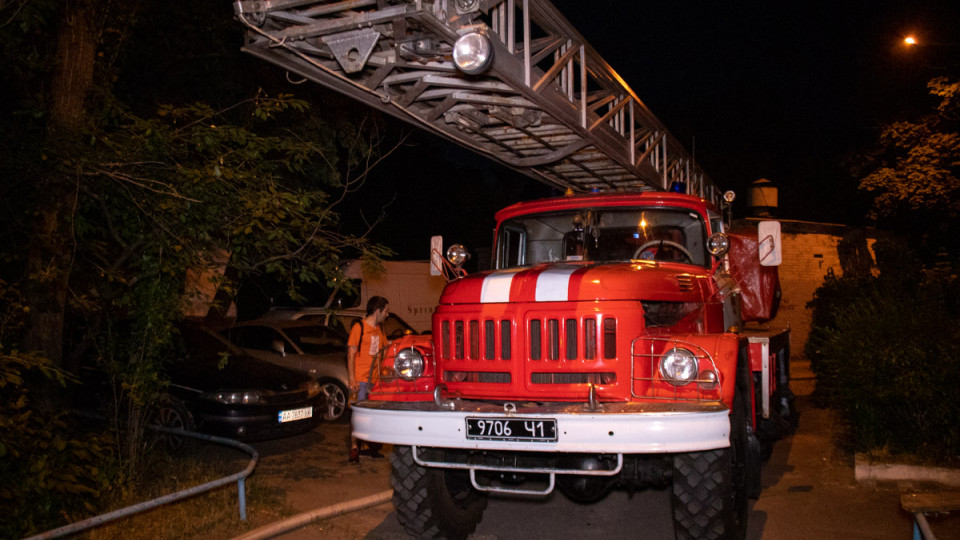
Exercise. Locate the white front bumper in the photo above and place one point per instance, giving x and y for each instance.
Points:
(626, 431)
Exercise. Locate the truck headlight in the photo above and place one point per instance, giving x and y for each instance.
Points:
(408, 364)
(472, 53)
(679, 366)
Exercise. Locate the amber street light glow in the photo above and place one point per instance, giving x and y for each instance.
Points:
(910, 40)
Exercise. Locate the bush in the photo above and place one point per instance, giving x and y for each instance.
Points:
(51, 475)
(886, 351)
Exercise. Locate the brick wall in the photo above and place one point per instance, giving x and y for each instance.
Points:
(810, 252)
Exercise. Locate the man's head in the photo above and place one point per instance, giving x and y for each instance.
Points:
(379, 306)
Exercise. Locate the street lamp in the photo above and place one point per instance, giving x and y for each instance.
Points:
(912, 41)
(932, 51)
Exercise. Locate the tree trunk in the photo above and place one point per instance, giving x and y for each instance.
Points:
(73, 73)
(51, 247)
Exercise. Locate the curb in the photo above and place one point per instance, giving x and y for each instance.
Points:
(867, 470)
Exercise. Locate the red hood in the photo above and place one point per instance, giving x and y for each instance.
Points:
(563, 281)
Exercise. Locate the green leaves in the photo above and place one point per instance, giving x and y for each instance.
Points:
(918, 170)
(914, 183)
(252, 179)
(48, 471)
(881, 348)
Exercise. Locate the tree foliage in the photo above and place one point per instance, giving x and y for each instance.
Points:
(49, 471)
(914, 180)
(156, 183)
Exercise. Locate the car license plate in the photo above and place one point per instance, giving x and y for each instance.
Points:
(295, 414)
(512, 429)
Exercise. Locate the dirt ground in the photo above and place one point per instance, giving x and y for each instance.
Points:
(313, 470)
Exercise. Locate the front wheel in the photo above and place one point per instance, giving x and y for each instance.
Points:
(170, 412)
(335, 400)
(702, 501)
(431, 502)
(710, 488)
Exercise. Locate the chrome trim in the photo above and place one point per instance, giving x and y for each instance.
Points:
(530, 470)
(493, 489)
(438, 397)
(592, 402)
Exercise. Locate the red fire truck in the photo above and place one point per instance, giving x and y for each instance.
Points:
(614, 342)
(606, 348)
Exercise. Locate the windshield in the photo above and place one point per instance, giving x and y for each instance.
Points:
(601, 235)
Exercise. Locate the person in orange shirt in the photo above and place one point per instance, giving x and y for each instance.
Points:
(364, 347)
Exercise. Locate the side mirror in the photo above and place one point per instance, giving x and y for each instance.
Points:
(436, 255)
(770, 251)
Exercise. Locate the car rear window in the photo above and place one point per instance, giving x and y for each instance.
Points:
(316, 339)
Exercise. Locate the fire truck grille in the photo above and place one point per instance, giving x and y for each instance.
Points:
(477, 377)
(539, 339)
(604, 378)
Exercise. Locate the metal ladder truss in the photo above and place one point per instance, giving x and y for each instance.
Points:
(548, 106)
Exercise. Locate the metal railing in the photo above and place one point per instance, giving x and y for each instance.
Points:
(921, 504)
(649, 383)
(921, 529)
(239, 478)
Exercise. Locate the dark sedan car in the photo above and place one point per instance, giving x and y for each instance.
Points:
(217, 389)
(243, 398)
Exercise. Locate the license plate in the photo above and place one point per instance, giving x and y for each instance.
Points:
(295, 414)
(512, 429)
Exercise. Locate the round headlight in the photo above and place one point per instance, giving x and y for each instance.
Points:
(457, 254)
(679, 367)
(718, 244)
(472, 53)
(408, 364)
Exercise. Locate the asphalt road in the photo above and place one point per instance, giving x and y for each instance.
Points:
(809, 492)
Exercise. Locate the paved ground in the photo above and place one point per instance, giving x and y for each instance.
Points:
(809, 492)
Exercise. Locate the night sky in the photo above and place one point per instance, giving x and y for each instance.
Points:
(789, 91)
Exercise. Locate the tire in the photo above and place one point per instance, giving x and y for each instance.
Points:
(702, 495)
(170, 412)
(335, 406)
(710, 488)
(745, 465)
(431, 502)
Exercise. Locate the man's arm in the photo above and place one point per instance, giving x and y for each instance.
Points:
(353, 346)
(351, 367)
